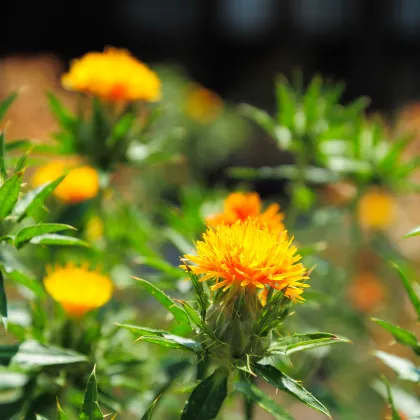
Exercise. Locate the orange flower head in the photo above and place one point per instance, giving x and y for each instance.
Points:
(81, 182)
(113, 75)
(202, 104)
(241, 206)
(376, 209)
(78, 289)
(366, 291)
(248, 254)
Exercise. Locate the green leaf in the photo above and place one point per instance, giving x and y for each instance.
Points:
(39, 417)
(17, 144)
(30, 232)
(299, 342)
(413, 232)
(201, 295)
(90, 409)
(121, 128)
(9, 193)
(63, 116)
(3, 173)
(149, 412)
(394, 411)
(31, 354)
(178, 313)
(174, 342)
(53, 239)
(263, 400)
(285, 383)
(60, 413)
(5, 104)
(414, 298)
(402, 336)
(21, 278)
(404, 368)
(35, 198)
(3, 302)
(207, 398)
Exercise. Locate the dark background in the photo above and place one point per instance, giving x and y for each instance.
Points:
(237, 46)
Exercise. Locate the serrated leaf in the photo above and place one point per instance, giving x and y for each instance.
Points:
(90, 409)
(9, 193)
(405, 369)
(30, 232)
(60, 413)
(31, 354)
(35, 198)
(174, 342)
(178, 313)
(401, 335)
(414, 298)
(300, 342)
(413, 232)
(6, 103)
(285, 383)
(207, 398)
(149, 412)
(54, 239)
(263, 400)
(3, 302)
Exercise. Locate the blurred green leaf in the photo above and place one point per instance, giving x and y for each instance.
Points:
(53, 239)
(402, 336)
(17, 144)
(9, 193)
(414, 298)
(174, 342)
(3, 173)
(61, 113)
(39, 417)
(207, 398)
(394, 412)
(404, 368)
(21, 278)
(35, 198)
(29, 232)
(263, 400)
(3, 301)
(285, 383)
(300, 342)
(90, 409)
(121, 129)
(201, 295)
(60, 413)
(178, 313)
(6, 103)
(149, 412)
(413, 232)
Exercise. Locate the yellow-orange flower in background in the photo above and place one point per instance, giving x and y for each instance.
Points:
(94, 229)
(202, 104)
(241, 206)
(366, 291)
(248, 254)
(81, 182)
(376, 209)
(113, 75)
(77, 289)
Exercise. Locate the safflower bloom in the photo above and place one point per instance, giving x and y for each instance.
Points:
(366, 292)
(81, 182)
(202, 104)
(376, 209)
(78, 289)
(242, 206)
(114, 75)
(248, 254)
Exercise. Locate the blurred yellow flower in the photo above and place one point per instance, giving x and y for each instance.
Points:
(94, 229)
(241, 206)
(202, 104)
(77, 289)
(366, 291)
(81, 182)
(113, 75)
(247, 254)
(376, 209)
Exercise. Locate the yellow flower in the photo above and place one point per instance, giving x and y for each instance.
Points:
(240, 206)
(376, 209)
(78, 289)
(202, 104)
(113, 75)
(81, 182)
(94, 229)
(247, 254)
